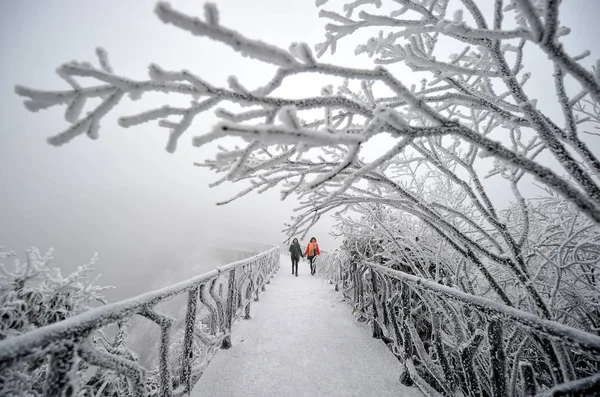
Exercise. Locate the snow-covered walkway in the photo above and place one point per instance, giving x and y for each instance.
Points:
(302, 341)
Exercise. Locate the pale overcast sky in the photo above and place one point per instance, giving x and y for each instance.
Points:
(123, 196)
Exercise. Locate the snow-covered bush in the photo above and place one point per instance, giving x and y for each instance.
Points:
(49, 346)
(469, 129)
(394, 240)
(32, 295)
(331, 265)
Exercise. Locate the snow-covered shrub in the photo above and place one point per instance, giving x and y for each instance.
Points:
(331, 265)
(34, 329)
(469, 129)
(32, 295)
(561, 251)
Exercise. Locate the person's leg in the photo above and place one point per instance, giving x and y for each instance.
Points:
(295, 266)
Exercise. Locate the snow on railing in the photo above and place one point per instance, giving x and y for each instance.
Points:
(455, 343)
(330, 265)
(224, 293)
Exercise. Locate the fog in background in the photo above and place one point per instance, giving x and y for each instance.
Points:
(149, 214)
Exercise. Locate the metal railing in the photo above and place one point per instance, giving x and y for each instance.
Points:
(450, 342)
(215, 300)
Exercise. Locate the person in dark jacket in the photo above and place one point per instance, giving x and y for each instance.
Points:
(296, 253)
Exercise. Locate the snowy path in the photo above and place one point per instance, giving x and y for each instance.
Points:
(302, 341)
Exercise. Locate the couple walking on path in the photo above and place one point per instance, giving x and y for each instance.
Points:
(311, 252)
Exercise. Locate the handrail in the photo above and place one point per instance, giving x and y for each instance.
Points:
(450, 341)
(66, 339)
(574, 336)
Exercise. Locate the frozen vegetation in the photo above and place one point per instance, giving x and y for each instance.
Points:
(54, 341)
(475, 297)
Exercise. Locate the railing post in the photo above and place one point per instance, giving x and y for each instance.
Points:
(229, 310)
(354, 277)
(188, 353)
(213, 316)
(239, 293)
(466, 360)
(339, 278)
(360, 290)
(164, 364)
(271, 270)
(436, 329)
(405, 305)
(377, 332)
(256, 288)
(498, 358)
(219, 304)
(249, 289)
(528, 377)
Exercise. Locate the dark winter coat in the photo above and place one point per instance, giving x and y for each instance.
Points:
(296, 251)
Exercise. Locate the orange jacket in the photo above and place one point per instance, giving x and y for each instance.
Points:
(314, 250)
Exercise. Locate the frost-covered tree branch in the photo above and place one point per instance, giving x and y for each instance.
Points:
(460, 81)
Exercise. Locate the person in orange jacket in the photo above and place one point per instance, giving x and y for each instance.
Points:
(312, 250)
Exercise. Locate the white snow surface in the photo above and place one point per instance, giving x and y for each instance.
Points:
(302, 340)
